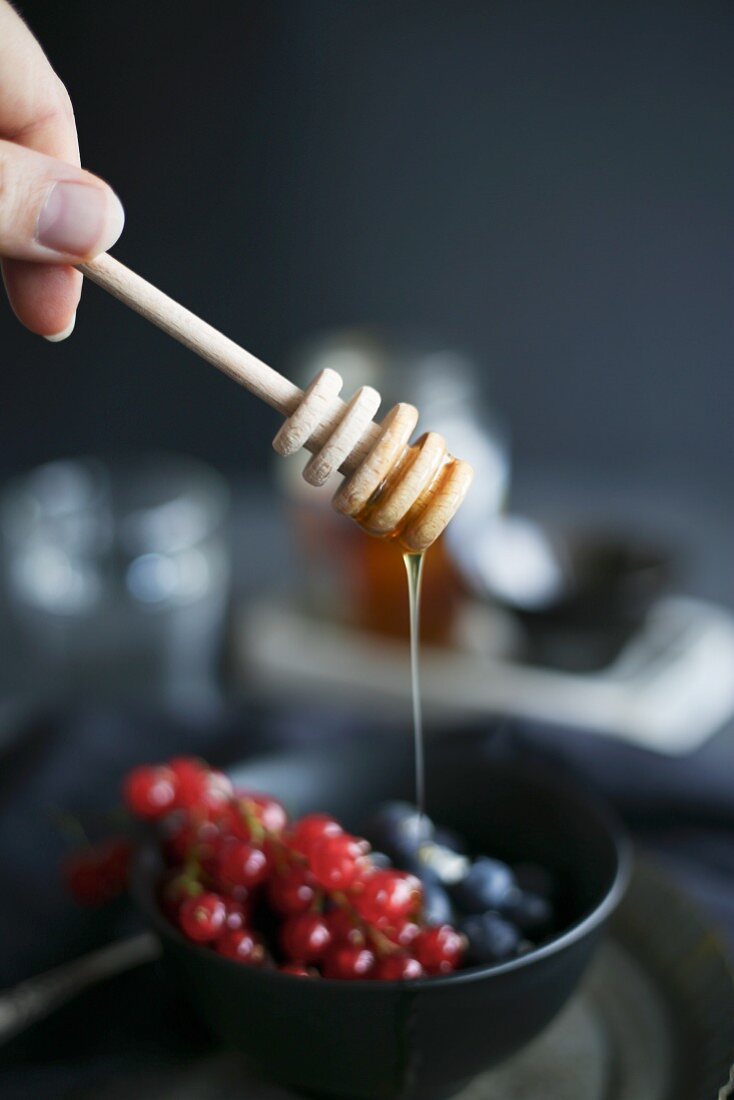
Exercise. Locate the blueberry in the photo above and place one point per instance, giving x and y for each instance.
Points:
(437, 908)
(398, 829)
(490, 938)
(532, 914)
(439, 864)
(380, 861)
(536, 879)
(485, 886)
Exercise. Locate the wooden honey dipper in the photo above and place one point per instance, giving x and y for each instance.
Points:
(391, 488)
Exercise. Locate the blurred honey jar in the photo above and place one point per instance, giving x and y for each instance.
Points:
(345, 576)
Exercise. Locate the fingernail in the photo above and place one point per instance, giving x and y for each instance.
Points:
(80, 219)
(59, 336)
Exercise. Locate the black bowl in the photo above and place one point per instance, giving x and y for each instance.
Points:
(418, 1039)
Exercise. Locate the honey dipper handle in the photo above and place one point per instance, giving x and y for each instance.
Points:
(190, 330)
(419, 487)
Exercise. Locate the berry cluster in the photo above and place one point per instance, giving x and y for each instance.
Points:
(304, 896)
(311, 899)
(502, 912)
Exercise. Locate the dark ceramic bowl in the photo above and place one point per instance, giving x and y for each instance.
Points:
(417, 1039)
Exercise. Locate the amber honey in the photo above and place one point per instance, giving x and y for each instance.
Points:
(381, 600)
(414, 564)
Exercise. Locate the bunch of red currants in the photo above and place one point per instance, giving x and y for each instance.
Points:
(303, 896)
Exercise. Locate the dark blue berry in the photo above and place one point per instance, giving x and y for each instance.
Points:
(485, 886)
(398, 829)
(381, 861)
(437, 907)
(532, 914)
(440, 864)
(490, 938)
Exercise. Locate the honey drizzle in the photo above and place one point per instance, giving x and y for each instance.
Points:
(414, 569)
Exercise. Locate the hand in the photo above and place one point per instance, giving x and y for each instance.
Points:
(52, 213)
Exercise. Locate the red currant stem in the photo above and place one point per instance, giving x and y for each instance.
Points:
(382, 945)
(192, 886)
(192, 867)
(285, 857)
(291, 855)
(281, 854)
(71, 827)
(341, 900)
(249, 815)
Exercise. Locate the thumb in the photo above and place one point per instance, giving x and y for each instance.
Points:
(52, 212)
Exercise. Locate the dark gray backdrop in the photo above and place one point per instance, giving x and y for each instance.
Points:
(549, 184)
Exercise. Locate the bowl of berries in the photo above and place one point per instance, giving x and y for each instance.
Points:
(353, 947)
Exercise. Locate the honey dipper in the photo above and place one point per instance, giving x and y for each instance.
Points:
(391, 488)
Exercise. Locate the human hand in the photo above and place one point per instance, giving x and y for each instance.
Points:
(52, 213)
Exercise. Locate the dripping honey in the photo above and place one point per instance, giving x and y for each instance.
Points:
(414, 569)
(414, 566)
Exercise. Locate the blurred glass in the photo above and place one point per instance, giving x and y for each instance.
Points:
(347, 574)
(116, 576)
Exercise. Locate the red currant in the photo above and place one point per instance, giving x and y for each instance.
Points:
(267, 810)
(218, 791)
(202, 918)
(188, 839)
(150, 792)
(348, 962)
(235, 820)
(240, 864)
(97, 874)
(305, 938)
(209, 841)
(397, 968)
(183, 765)
(388, 897)
(345, 928)
(191, 775)
(439, 950)
(403, 933)
(242, 945)
(309, 829)
(81, 879)
(291, 891)
(238, 915)
(337, 862)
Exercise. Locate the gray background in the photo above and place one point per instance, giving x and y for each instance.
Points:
(547, 184)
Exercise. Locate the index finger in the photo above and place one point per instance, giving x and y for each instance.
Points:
(35, 109)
